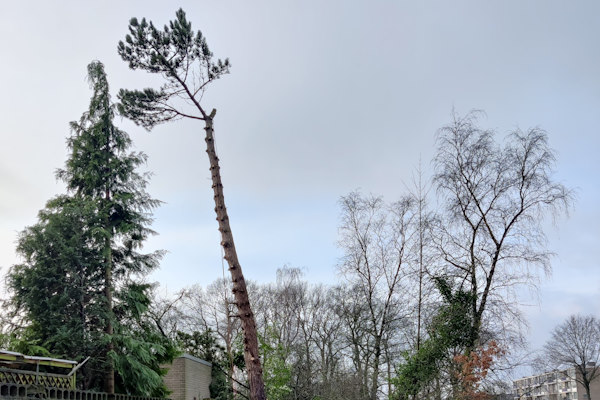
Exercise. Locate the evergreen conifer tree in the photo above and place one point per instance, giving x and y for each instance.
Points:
(79, 283)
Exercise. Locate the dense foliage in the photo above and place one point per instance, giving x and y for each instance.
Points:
(450, 332)
(78, 289)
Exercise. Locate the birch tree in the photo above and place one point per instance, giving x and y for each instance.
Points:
(496, 197)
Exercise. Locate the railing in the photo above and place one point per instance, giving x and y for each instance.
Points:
(37, 378)
(16, 391)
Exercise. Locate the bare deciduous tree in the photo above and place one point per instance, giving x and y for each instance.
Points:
(326, 326)
(374, 237)
(576, 344)
(420, 251)
(213, 309)
(496, 199)
(167, 312)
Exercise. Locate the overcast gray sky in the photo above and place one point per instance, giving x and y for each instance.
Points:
(324, 97)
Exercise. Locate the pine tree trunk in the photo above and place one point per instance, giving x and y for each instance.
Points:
(251, 356)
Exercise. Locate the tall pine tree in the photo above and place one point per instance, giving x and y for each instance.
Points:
(181, 55)
(79, 285)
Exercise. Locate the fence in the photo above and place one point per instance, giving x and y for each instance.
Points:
(37, 378)
(17, 391)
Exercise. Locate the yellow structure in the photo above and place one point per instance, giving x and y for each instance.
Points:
(25, 370)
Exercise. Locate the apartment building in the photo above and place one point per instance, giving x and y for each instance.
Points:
(556, 385)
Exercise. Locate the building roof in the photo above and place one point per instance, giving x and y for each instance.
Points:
(196, 359)
(12, 356)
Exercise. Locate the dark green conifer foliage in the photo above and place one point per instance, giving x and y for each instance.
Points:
(182, 57)
(184, 60)
(78, 284)
(56, 287)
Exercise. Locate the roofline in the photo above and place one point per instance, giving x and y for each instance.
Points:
(196, 359)
(14, 356)
(561, 371)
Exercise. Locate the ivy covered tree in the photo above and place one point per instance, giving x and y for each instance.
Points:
(78, 285)
(450, 333)
(496, 196)
(182, 57)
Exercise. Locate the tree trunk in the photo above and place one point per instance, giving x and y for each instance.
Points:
(588, 391)
(375, 373)
(251, 356)
(388, 362)
(109, 380)
(229, 344)
(420, 304)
